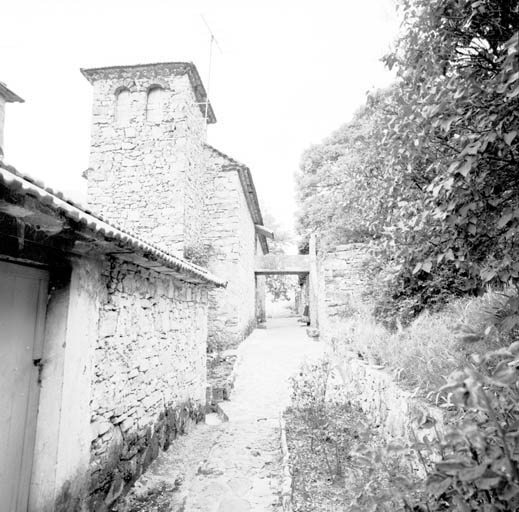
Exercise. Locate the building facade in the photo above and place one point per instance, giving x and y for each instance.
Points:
(105, 319)
(234, 240)
(152, 171)
(103, 353)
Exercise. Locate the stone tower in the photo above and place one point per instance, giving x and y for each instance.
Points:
(147, 150)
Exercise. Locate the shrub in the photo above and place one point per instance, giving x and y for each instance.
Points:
(326, 434)
(493, 318)
(475, 465)
(479, 469)
(426, 351)
(199, 254)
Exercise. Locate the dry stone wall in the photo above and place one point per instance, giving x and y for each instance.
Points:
(393, 409)
(344, 278)
(145, 173)
(230, 233)
(342, 283)
(149, 373)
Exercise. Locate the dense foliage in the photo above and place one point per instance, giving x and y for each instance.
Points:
(474, 463)
(427, 171)
(479, 469)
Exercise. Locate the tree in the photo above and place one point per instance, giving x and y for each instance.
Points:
(342, 184)
(427, 170)
(452, 138)
(279, 287)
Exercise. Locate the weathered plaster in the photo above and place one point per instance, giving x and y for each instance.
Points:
(62, 452)
(43, 481)
(86, 289)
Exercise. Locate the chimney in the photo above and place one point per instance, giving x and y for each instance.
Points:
(149, 127)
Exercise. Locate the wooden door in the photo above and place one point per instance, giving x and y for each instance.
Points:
(23, 292)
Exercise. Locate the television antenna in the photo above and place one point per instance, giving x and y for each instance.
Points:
(213, 42)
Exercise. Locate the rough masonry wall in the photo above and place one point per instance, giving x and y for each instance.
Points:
(230, 234)
(342, 282)
(396, 411)
(149, 373)
(144, 174)
(196, 191)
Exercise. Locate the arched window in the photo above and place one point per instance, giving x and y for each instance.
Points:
(122, 106)
(155, 104)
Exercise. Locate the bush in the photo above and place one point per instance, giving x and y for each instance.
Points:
(425, 352)
(479, 469)
(325, 431)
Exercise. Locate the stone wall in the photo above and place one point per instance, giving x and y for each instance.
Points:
(231, 236)
(149, 373)
(394, 409)
(145, 173)
(342, 282)
(396, 412)
(342, 287)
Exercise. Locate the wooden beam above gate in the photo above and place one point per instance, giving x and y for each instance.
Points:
(282, 264)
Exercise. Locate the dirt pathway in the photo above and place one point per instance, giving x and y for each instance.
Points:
(234, 466)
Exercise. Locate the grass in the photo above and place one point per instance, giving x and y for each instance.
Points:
(333, 446)
(425, 353)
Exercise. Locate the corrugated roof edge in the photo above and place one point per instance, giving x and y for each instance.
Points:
(249, 190)
(9, 95)
(18, 182)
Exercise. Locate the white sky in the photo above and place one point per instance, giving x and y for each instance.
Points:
(290, 73)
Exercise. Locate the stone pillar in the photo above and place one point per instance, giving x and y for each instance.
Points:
(261, 287)
(313, 282)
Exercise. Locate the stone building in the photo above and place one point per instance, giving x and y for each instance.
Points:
(234, 235)
(103, 350)
(152, 171)
(104, 320)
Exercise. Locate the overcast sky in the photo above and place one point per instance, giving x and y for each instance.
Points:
(290, 73)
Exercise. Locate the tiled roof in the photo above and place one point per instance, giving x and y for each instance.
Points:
(55, 200)
(249, 190)
(9, 95)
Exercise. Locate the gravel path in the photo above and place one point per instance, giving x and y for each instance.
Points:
(233, 466)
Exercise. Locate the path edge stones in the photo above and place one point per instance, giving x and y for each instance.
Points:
(286, 478)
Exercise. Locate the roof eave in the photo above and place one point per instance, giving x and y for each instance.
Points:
(9, 95)
(16, 182)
